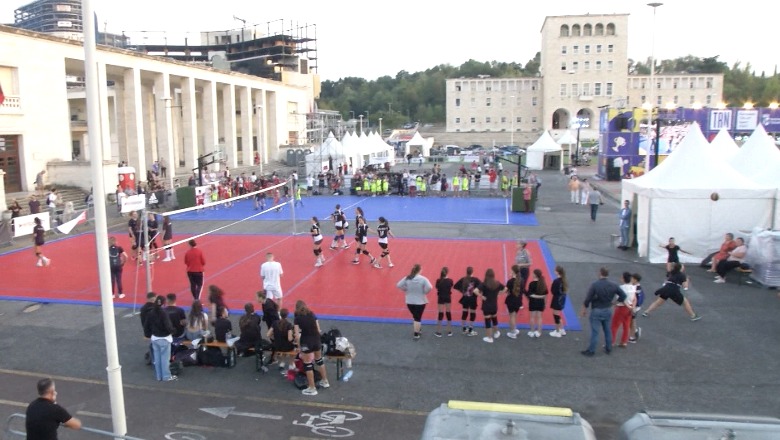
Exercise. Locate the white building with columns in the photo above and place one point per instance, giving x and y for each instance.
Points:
(151, 109)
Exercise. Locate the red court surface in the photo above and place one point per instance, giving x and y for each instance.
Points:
(338, 290)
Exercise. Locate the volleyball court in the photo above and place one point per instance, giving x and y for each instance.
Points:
(337, 290)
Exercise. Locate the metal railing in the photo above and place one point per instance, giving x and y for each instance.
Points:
(13, 434)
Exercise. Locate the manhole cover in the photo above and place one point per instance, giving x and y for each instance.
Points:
(31, 308)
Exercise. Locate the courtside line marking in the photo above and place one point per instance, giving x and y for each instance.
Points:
(204, 428)
(232, 397)
(12, 403)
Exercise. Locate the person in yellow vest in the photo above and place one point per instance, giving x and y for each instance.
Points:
(298, 199)
(424, 186)
(515, 180)
(456, 185)
(504, 184)
(464, 185)
(385, 186)
(420, 187)
(372, 187)
(358, 187)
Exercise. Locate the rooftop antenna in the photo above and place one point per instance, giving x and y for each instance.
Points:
(241, 20)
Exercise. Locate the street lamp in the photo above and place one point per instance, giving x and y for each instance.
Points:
(512, 120)
(352, 114)
(655, 6)
(380, 127)
(579, 123)
(361, 123)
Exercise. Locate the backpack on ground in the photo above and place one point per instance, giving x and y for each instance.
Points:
(188, 357)
(299, 375)
(329, 340)
(212, 357)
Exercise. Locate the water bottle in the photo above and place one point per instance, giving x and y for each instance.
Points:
(347, 375)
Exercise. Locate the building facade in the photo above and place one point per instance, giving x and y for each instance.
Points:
(151, 109)
(583, 69)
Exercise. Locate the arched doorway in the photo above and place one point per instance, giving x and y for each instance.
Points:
(560, 119)
(585, 113)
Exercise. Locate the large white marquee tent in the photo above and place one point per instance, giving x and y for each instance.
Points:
(675, 199)
(544, 145)
(759, 160)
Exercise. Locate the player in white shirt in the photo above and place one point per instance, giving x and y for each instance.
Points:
(271, 274)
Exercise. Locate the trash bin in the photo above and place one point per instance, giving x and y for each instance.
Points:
(126, 178)
(458, 420)
(518, 203)
(185, 197)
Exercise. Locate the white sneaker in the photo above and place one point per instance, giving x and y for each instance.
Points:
(555, 334)
(39, 263)
(310, 392)
(318, 263)
(390, 265)
(496, 334)
(166, 259)
(562, 332)
(488, 339)
(47, 262)
(324, 383)
(121, 295)
(531, 334)
(511, 335)
(538, 334)
(719, 280)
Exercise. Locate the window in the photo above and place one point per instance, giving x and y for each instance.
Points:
(574, 66)
(564, 31)
(610, 65)
(610, 48)
(598, 48)
(487, 102)
(586, 89)
(518, 119)
(587, 30)
(503, 101)
(563, 50)
(709, 83)
(587, 65)
(692, 100)
(457, 102)
(675, 99)
(503, 119)
(599, 29)
(597, 89)
(587, 49)
(660, 100)
(675, 84)
(473, 86)
(563, 66)
(487, 120)
(457, 87)
(457, 120)
(575, 89)
(611, 29)
(693, 84)
(533, 101)
(563, 89)
(575, 50)
(488, 86)
(473, 120)
(533, 119)
(598, 65)
(643, 98)
(609, 89)
(473, 102)
(575, 30)
(709, 99)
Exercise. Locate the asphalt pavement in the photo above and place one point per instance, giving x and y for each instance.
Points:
(726, 363)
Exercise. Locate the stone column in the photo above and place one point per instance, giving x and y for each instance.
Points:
(189, 122)
(3, 206)
(134, 119)
(162, 104)
(246, 125)
(261, 129)
(210, 120)
(229, 118)
(105, 127)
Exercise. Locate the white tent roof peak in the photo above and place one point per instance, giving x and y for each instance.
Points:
(417, 139)
(724, 144)
(759, 158)
(567, 138)
(545, 143)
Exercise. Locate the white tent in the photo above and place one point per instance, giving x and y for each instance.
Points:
(544, 145)
(419, 144)
(379, 151)
(568, 139)
(759, 160)
(320, 158)
(724, 144)
(675, 199)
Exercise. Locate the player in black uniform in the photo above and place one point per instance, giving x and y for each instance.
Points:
(489, 291)
(339, 219)
(38, 240)
(167, 237)
(154, 227)
(316, 235)
(134, 231)
(466, 286)
(383, 231)
(361, 238)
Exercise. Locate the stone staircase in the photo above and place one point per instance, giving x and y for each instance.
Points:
(66, 194)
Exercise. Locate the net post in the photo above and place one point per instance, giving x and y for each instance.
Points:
(293, 194)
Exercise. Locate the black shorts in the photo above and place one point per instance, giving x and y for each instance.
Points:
(317, 242)
(536, 304)
(443, 299)
(469, 302)
(383, 245)
(416, 311)
(489, 308)
(513, 303)
(310, 346)
(558, 302)
(339, 228)
(671, 291)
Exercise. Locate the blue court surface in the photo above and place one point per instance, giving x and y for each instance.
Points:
(488, 211)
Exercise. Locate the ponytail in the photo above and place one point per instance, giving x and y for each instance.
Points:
(517, 283)
(415, 270)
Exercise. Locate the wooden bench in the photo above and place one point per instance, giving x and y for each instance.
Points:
(339, 359)
(742, 273)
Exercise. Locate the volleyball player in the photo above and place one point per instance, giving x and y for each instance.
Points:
(383, 231)
(38, 240)
(134, 230)
(316, 235)
(514, 300)
(466, 286)
(489, 291)
(338, 222)
(153, 227)
(361, 238)
(167, 237)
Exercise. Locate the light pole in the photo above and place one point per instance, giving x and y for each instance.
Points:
(361, 124)
(655, 6)
(581, 123)
(380, 127)
(352, 114)
(368, 120)
(512, 120)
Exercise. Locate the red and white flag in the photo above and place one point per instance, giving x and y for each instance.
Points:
(66, 227)
(2, 96)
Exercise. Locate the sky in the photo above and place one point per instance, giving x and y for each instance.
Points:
(369, 39)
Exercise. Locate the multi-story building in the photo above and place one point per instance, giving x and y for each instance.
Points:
(584, 68)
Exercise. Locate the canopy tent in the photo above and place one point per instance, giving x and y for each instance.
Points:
(380, 151)
(693, 196)
(567, 139)
(326, 157)
(759, 160)
(544, 145)
(723, 144)
(418, 144)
